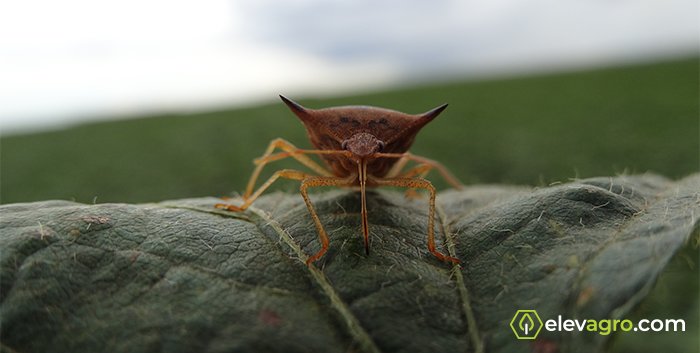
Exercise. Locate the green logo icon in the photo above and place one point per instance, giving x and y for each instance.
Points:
(526, 324)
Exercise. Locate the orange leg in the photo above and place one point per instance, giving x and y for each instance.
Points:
(418, 183)
(397, 167)
(419, 171)
(404, 157)
(316, 181)
(291, 151)
(307, 181)
(249, 199)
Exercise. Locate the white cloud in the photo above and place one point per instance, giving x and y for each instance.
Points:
(69, 59)
(117, 64)
(470, 35)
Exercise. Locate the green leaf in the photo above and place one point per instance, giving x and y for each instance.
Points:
(181, 276)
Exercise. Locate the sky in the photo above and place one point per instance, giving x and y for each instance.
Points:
(63, 62)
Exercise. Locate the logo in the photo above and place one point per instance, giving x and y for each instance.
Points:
(526, 324)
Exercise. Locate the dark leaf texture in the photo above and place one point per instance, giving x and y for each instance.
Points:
(180, 276)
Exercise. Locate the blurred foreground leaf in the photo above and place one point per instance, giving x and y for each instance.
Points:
(179, 276)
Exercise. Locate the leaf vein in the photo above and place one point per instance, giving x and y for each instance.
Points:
(353, 324)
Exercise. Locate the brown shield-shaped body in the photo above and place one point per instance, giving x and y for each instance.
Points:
(363, 130)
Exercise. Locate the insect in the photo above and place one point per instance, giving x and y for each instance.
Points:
(361, 147)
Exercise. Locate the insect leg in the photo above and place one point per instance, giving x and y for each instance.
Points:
(418, 183)
(315, 181)
(444, 172)
(419, 171)
(284, 173)
(451, 179)
(397, 167)
(292, 151)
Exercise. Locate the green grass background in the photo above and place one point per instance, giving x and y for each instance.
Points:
(529, 130)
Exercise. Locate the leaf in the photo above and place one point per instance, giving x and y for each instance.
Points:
(180, 276)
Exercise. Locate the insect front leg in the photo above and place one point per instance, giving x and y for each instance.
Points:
(398, 167)
(316, 181)
(419, 171)
(418, 183)
(248, 200)
(451, 179)
(291, 151)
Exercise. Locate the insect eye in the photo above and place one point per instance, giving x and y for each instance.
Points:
(381, 146)
(344, 145)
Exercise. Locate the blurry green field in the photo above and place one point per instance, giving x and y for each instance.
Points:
(530, 130)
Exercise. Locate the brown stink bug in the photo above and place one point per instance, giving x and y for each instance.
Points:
(361, 147)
